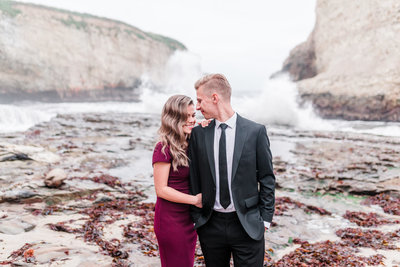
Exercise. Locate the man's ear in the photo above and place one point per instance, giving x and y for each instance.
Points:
(215, 98)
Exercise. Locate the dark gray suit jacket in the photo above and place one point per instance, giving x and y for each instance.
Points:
(253, 179)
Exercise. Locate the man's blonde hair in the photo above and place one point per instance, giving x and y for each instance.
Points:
(216, 82)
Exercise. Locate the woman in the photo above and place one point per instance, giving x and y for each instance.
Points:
(172, 224)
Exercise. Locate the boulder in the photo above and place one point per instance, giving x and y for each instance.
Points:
(55, 178)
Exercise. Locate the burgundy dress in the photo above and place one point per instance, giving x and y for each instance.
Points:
(172, 223)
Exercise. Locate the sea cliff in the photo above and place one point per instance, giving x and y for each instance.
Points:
(349, 65)
(57, 55)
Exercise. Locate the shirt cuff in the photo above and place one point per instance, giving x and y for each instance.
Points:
(267, 225)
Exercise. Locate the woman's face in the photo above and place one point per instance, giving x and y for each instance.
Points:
(191, 119)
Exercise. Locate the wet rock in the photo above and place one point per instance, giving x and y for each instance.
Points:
(25, 152)
(77, 184)
(50, 254)
(355, 163)
(46, 156)
(16, 195)
(102, 198)
(360, 187)
(17, 156)
(15, 226)
(369, 108)
(91, 263)
(55, 178)
(301, 62)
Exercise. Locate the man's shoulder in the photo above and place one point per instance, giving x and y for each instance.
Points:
(249, 123)
(200, 129)
(197, 129)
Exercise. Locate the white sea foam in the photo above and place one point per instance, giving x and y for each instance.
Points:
(20, 118)
(182, 70)
(277, 103)
(274, 104)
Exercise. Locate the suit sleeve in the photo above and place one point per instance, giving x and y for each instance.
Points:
(194, 180)
(266, 177)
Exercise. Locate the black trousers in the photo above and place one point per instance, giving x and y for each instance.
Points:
(222, 236)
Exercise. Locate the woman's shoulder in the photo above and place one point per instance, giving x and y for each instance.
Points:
(159, 146)
(160, 154)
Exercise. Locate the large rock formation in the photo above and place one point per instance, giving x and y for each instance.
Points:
(51, 54)
(350, 65)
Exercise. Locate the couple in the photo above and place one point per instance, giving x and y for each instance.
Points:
(219, 177)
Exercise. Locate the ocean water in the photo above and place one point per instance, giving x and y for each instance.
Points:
(275, 104)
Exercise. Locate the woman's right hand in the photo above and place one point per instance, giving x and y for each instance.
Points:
(198, 200)
(204, 123)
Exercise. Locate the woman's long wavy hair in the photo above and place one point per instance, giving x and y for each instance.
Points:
(173, 117)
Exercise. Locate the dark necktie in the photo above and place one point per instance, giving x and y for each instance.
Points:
(224, 197)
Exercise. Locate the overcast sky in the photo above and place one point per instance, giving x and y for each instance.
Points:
(245, 40)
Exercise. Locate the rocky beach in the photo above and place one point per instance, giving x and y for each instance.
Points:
(78, 191)
(76, 184)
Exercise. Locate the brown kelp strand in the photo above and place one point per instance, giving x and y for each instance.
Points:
(49, 210)
(116, 209)
(367, 219)
(109, 180)
(268, 262)
(327, 253)
(389, 203)
(61, 227)
(104, 213)
(356, 237)
(142, 231)
(29, 256)
(25, 251)
(283, 204)
(198, 256)
(121, 263)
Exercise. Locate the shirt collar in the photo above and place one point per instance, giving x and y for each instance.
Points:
(231, 122)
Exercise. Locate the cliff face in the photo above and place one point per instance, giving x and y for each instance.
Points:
(52, 54)
(350, 65)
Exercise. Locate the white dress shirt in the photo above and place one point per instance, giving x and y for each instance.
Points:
(230, 133)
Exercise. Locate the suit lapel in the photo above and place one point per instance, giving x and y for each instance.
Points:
(240, 138)
(209, 141)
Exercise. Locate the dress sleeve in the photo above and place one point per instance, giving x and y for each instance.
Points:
(159, 156)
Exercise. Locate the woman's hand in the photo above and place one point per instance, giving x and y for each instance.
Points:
(198, 200)
(205, 123)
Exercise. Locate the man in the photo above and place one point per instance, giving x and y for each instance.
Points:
(231, 165)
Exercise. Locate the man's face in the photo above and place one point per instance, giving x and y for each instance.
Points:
(205, 103)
